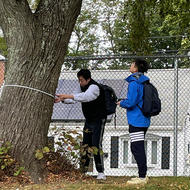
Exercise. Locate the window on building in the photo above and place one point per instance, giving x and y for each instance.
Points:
(125, 152)
(157, 150)
(150, 146)
(154, 154)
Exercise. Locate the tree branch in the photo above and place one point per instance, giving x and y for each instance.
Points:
(44, 5)
(13, 9)
(55, 15)
(57, 6)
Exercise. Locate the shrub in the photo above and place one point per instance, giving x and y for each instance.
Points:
(8, 166)
(66, 153)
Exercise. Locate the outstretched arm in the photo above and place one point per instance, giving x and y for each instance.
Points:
(62, 97)
(89, 95)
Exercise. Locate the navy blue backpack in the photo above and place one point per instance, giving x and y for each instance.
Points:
(151, 101)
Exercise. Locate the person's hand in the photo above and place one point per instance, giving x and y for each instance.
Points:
(61, 96)
(57, 100)
(118, 103)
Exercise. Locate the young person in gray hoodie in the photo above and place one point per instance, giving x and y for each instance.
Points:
(91, 96)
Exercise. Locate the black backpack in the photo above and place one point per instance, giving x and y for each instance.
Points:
(151, 101)
(110, 99)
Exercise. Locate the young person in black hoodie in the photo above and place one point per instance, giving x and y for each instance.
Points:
(91, 95)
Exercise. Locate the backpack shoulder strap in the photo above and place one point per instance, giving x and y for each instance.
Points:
(144, 83)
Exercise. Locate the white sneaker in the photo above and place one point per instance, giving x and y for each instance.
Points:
(136, 181)
(101, 176)
(133, 178)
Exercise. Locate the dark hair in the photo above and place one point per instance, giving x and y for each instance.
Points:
(85, 73)
(142, 65)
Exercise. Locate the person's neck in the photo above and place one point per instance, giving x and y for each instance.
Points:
(138, 73)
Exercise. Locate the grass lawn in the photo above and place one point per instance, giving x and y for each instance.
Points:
(112, 183)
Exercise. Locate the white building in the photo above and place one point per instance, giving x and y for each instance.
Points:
(160, 136)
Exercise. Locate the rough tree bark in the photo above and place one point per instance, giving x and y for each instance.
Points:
(37, 43)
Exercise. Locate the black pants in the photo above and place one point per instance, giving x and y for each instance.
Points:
(93, 136)
(137, 135)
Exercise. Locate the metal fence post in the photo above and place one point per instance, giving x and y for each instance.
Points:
(175, 115)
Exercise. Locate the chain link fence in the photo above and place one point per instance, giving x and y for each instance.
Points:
(168, 138)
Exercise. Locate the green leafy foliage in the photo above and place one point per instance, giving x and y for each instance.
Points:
(33, 4)
(65, 156)
(8, 166)
(40, 153)
(133, 27)
(19, 171)
(68, 153)
(5, 159)
(136, 27)
(154, 27)
(3, 47)
(85, 40)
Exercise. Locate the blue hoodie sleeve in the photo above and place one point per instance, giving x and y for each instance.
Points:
(132, 96)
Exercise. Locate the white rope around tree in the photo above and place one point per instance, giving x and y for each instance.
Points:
(26, 87)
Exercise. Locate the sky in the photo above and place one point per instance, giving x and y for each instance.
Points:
(2, 57)
(1, 33)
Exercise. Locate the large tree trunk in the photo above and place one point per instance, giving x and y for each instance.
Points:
(37, 43)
